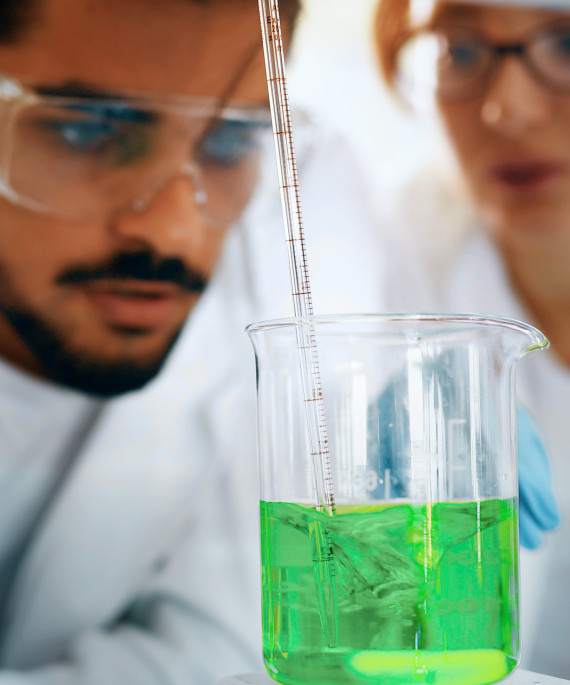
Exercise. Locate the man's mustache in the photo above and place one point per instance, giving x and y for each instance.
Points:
(140, 266)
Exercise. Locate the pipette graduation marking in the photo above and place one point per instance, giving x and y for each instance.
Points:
(323, 562)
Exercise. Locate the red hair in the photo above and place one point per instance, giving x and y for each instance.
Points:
(392, 27)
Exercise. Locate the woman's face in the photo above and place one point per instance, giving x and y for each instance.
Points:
(512, 136)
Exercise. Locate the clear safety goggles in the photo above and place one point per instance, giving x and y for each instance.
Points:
(455, 64)
(86, 156)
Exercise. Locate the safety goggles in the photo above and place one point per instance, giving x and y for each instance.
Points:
(85, 155)
(455, 64)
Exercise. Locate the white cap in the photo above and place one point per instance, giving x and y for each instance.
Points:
(539, 4)
(420, 9)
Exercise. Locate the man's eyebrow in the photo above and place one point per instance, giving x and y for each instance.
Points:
(76, 89)
(454, 12)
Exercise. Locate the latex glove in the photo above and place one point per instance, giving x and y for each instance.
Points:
(538, 510)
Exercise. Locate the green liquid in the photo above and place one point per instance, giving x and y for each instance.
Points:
(423, 594)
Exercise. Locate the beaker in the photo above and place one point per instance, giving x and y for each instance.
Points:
(421, 422)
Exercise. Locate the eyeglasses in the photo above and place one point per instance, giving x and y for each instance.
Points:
(88, 156)
(455, 64)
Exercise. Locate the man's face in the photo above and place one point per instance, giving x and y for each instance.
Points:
(512, 137)
(96, 303)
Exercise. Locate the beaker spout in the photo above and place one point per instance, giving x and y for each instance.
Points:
(533, 339)
(542, 344)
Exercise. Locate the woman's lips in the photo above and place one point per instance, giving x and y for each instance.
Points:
(134, 304)
(527, 174)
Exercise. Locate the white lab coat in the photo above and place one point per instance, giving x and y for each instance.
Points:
(444, 262)
(145, 568)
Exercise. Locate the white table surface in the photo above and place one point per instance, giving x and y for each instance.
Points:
(519, 677)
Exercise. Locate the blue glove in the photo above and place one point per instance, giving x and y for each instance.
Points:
(538, 510)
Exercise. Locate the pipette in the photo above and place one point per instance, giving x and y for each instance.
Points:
(323, 562)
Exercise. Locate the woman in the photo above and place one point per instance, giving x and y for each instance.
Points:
(499, 76)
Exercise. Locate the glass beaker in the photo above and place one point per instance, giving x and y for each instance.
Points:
(421, 424)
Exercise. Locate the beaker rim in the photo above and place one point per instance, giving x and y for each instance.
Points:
(536, 339)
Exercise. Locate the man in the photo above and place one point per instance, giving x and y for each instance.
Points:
(130, 136)
(107, 243)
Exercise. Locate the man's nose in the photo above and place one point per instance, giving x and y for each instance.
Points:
(171, 221)
(516, 103)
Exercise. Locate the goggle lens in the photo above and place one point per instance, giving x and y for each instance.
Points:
(88, 159)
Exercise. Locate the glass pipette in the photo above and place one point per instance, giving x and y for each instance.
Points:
(323, 562)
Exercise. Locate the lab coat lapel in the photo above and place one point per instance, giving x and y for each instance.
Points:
(131, 490)
(478, 281)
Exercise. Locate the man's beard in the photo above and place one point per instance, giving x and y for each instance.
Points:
(78, 370)
(84, 372)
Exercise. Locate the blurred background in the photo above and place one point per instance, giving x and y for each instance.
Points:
(333, 72)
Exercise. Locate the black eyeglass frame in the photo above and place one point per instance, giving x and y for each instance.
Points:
(497, 52)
